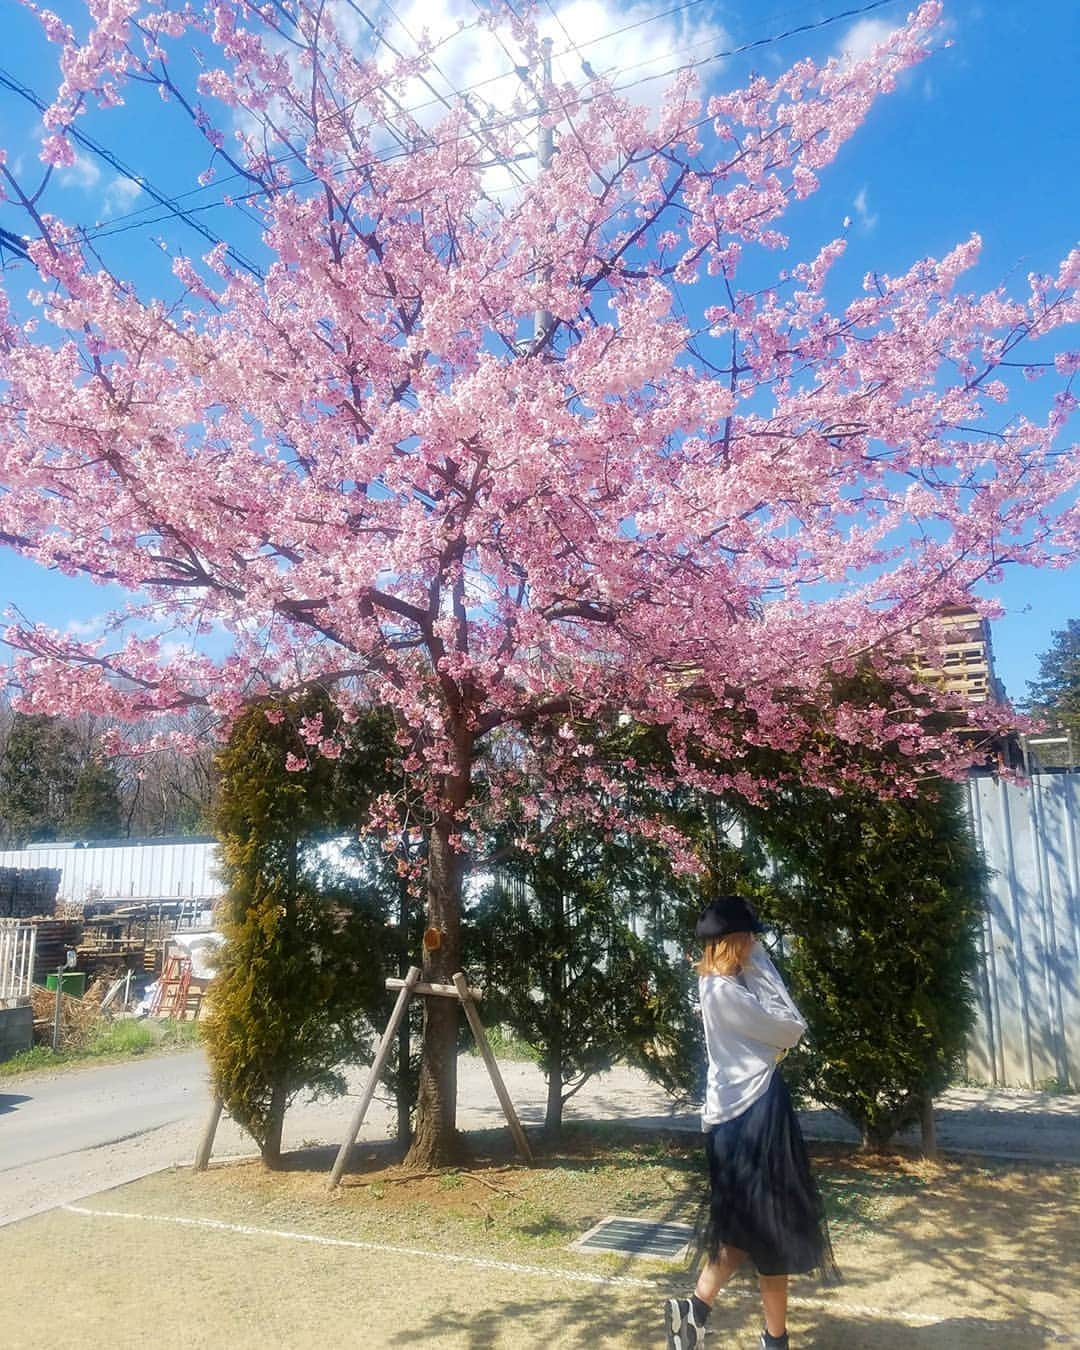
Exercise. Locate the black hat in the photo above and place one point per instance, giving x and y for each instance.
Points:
(728, 914)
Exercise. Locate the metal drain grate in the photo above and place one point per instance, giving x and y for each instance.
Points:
(637, 1237)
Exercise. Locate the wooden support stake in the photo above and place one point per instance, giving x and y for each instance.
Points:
(465, 994)
(206, 1143)
(440, 990)
(385, 1046)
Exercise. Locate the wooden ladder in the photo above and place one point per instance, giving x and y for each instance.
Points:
(192, 1005)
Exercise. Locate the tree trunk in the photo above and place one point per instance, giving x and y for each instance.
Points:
(928, 1128)
(435, 1138)
(275, 1123)
(876, 1137)
(553, 1113)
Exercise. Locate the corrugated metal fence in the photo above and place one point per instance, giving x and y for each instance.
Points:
(1028, 1029)
(137, 871)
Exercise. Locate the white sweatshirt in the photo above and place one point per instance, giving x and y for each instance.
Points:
(749, 1020)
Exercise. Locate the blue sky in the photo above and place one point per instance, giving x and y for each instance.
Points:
(981, 137)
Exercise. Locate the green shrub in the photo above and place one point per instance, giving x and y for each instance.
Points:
(301, 973)
(879, 901)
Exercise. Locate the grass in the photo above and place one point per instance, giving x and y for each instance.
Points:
(110, 1040)
(1055, 1087)
(506, 1046)
(494, 1207)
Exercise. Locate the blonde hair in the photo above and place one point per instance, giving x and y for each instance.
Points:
(725, 955)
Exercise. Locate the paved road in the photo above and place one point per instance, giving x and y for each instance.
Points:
(47, 1118)
(76, 1131)
(70, 1134)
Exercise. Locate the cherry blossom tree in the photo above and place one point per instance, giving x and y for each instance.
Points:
(502, 461)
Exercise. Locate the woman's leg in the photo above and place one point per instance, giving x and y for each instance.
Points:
(774, 1301)
(715, 1274)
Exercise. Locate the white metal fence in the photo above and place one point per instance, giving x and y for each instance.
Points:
(1028, 1028)
(17, 944)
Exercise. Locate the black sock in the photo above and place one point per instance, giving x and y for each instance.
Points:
(701, 1309)
(778, 1342)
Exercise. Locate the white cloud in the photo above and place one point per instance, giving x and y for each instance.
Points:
(84, 629)
(84, 173)
(623, 43)
(120, 196)
(862, 37)
(867, 218)
(171, 650)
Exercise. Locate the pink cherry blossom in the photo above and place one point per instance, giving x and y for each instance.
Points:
(372, 471)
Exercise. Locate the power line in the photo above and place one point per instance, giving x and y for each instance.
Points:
(13, 243)
(381, 37)
(219, 182)
(753, 45)
(586, 69)
(95, 147)
(715, 56)
(505, 121)
(278, 160)
(509, 74)
(626, 28)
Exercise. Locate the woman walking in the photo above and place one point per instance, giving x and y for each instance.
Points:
(763, 1203)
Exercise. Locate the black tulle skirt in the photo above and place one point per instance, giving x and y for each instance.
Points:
(762, 1195)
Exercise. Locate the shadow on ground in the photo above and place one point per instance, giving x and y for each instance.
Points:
(986, 1246)
(612, 1143)
(599, 1319)
(936, 1256)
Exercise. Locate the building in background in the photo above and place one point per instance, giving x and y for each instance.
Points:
(957, 654)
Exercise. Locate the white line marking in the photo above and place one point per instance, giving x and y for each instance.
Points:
(484, 1263)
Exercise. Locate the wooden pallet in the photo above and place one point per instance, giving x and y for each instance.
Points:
(54, 937)
(26, 892)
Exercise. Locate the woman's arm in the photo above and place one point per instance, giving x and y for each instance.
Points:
(728, 1007)
(764, 982)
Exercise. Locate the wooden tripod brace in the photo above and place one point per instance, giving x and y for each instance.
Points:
(407, 987)
(460, 990)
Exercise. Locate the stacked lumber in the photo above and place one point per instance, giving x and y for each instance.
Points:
(54, 937)
(26, 891)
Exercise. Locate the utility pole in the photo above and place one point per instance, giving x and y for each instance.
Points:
(543, 318)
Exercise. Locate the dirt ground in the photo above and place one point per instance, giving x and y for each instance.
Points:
(935, 1256)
